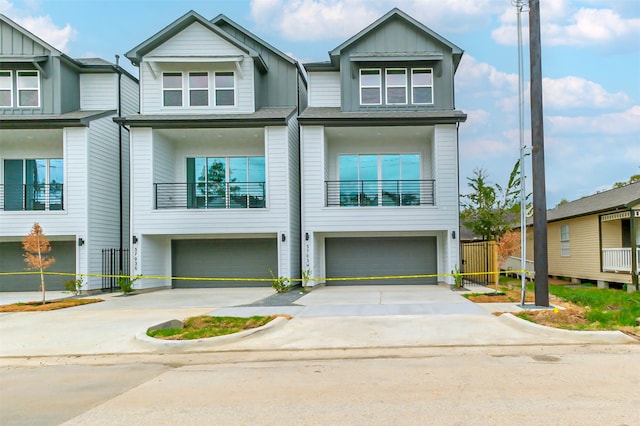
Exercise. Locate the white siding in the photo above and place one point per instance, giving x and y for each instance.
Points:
(103, 197)
(130, 95)
(99, 91)
(197, 45)
(324, 89)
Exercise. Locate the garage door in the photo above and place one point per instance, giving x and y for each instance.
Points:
(11, 260)
(381, 256)
(233, 258)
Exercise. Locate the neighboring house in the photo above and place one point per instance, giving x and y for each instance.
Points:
(215, 156)
(595, 238)
(60, 156)
(379, 145)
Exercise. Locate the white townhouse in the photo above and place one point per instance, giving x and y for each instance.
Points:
(379, 143)
(63, 160)
(215, 157)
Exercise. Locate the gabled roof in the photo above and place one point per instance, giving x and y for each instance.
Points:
(621, 198)
(135, 55)
(53, 51)
(399, 14)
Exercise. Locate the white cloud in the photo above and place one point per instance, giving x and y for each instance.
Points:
(583, 27)
(576, 92)
(616, 123)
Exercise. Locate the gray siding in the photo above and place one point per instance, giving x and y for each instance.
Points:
(69, 92)
(294, 197)
(397, 37)
(14, 42)
(279, 86)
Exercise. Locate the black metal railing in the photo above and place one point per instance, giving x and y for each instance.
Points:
(348, 193)
(210, 195)
(114, 264)
(17, 197)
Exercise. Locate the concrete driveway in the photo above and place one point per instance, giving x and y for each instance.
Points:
(329, 317)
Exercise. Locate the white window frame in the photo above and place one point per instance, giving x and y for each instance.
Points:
(216, 88)
(391, 86)
(190, 89)
(9, 88)
(173, 89)
(379, 86)
(565, 241)
(19, 89)
(413, 85)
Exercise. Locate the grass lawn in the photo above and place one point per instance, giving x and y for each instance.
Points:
(50, 305)
(585, 308)
(207, 326)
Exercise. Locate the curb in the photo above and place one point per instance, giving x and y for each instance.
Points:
(587, 336)
(209, 342)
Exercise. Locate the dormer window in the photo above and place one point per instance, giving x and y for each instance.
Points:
(28, 85)
(198, 89)
(172, 89)
(370, 87)
(396, 83)
(422, 86)
(6, 89)
(225, 88)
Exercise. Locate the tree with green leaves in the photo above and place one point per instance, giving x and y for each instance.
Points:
(489, 210)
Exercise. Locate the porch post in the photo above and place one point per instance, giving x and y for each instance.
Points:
(634, 250)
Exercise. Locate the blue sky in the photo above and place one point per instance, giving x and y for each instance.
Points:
(590, 65)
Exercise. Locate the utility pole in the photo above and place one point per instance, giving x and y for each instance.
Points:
(541, 263)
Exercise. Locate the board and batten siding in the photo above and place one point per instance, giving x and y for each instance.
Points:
(199, 42)
(324, 89)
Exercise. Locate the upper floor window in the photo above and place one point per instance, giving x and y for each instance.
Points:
(422, 86)
(565, 242)
(28, 85)
(396, 82)
(172, 89)
(225, 87)
(6, 89)
(370, 87)
(198, 89)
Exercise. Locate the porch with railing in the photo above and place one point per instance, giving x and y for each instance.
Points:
(210, 195)
(31, 197)
(619, 259)
(367, 193)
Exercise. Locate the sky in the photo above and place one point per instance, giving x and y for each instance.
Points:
(590, 67)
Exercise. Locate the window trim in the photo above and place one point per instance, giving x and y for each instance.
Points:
(216, 89)
(413, 85)
(173, 89)
(565, 240)
(19, 89)
(391, 86)
(10, 89)
(379, 86)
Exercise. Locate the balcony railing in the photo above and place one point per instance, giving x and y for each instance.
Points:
(38, 197)
(222, 195)
(618, 259)
(367, 193)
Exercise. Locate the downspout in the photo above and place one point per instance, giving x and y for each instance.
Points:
(634, 249)
(120, 203)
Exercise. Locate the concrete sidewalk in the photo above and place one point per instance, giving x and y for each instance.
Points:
(326, 318)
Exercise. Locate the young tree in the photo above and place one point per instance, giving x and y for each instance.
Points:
(36, 247)
(489, 210)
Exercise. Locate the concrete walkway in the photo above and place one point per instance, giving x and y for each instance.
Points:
(326, 318)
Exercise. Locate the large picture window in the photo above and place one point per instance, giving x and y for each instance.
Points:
(28, 87)
(6, 89)
(33, 184)
(226, 182)
(379, 180)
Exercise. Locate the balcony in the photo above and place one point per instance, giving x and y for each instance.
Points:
(210, 195)
(375, 193)
(618, 259)
(32, 197)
